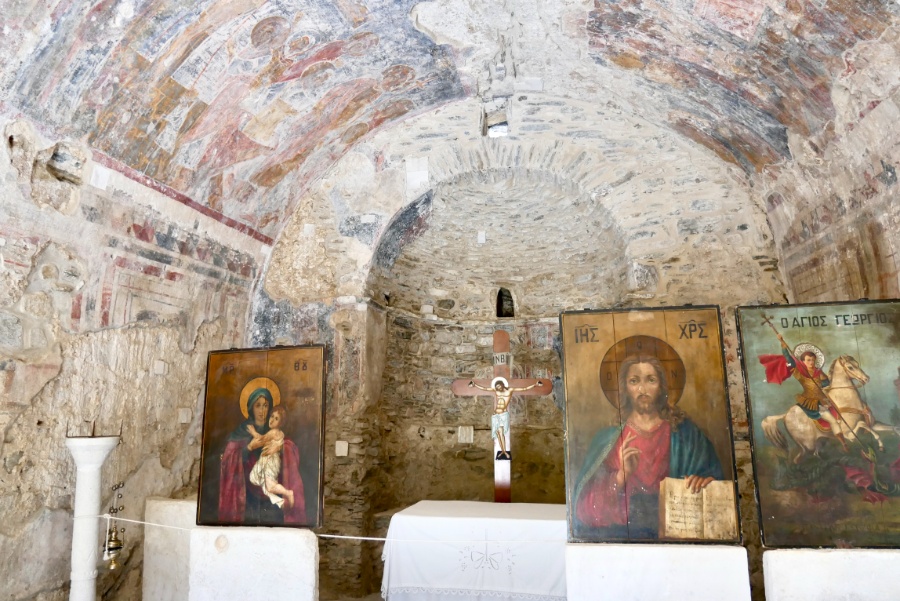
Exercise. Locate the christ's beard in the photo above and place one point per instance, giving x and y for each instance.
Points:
(644, 405)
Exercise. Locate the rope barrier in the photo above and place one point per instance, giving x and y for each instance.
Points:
(108, 517)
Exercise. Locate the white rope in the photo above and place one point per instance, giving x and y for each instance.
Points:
(108, 517)
(375, 538)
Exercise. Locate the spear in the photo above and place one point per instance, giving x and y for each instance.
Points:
(768, 320)
(869, 453)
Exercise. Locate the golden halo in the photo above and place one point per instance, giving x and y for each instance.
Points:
(808, 346)
(499, 379)
(254, 384)
(642, 345)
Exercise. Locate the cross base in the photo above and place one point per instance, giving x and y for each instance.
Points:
(525, 386)
(502, 475)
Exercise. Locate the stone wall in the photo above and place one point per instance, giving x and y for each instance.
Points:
(632, 132)
(421, 456)
(111, 302)
(563, 229)
(111, 296)
(835, 210)
(575, 187)
(353, 333)
(421, 416)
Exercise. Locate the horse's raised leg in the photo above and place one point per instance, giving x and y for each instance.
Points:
(881, 427)
(862, 426)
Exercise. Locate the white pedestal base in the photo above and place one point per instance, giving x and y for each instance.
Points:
(852, 574)
(224, 564)
(89, 454)
(658, 572)
(167, 550)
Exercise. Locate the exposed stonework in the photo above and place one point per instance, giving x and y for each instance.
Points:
(423, 458)
(654, 201)
(563, 229)
(258, 173)
(21, 140)
(740, 424)
(56, 177)
(354, 335)
(109, 381)
(835, 211)
(106, 318)
(51, 176)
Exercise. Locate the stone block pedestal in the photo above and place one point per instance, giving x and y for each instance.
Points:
(639, 572)
(224, 563)
(166, 550)
(857, 574)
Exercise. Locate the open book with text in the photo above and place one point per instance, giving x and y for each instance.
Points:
(707, 515)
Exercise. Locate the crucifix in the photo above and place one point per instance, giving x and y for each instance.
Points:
(502, 388)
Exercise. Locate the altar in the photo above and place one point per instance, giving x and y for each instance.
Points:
(459, 550)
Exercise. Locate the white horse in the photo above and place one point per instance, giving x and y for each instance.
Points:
(855, 413)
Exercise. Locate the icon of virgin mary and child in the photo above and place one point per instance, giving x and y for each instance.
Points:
(259, 479)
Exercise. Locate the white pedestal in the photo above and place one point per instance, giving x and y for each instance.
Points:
(218, 563)
(473, 551)
(89, 454)
(851, 574)
(660, 572)
(273, 563)
(166, 550)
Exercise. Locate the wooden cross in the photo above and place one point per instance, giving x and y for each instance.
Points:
(467, 387)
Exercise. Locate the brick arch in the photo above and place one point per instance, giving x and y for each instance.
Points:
(666, 206)
(505, 188)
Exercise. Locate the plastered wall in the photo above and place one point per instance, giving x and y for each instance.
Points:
(111, 295)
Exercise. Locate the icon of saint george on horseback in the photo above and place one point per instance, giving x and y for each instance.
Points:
(805, 363)
(828, 405)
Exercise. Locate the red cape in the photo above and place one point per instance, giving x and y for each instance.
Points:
(233, 483)
(778, 370)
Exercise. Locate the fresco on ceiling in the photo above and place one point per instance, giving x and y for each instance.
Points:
(222, 100)
(739, 73)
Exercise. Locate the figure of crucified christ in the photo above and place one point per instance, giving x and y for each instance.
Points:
(502, 399)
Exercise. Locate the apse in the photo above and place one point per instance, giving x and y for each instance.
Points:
(183, 178)
(487, 230)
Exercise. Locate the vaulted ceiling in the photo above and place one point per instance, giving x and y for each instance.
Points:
(242, 105)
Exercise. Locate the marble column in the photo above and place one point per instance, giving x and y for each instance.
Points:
(89, 454)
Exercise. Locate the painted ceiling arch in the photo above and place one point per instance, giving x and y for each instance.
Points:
(222, 101)
(590, 195)
(241, 106)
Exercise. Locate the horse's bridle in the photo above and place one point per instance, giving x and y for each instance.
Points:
(866, 410)
(852, 382)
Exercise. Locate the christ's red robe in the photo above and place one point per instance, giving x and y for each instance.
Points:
(603, 503)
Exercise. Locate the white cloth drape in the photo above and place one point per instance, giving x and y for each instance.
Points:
(440, 550)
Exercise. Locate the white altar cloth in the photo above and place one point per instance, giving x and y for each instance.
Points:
(441, 550)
